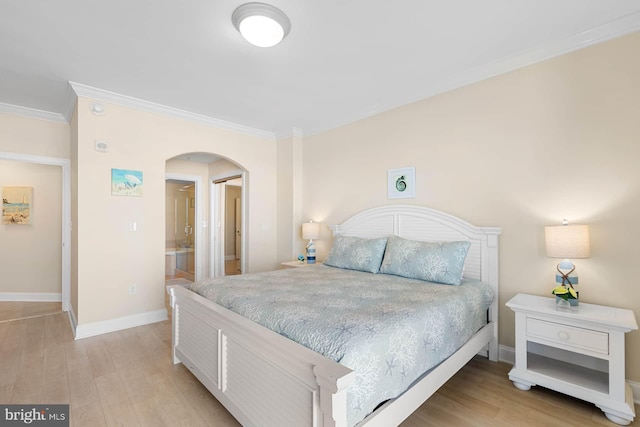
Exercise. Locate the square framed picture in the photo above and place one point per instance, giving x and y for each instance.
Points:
(401, 183)
(125, 182)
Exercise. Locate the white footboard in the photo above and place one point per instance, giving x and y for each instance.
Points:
(261, 377)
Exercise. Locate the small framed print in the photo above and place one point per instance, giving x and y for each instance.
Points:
(401, 183)
(125, 182)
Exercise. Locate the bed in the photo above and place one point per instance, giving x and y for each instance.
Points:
(265, 379)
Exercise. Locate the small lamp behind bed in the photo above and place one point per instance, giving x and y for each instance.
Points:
(311, 230)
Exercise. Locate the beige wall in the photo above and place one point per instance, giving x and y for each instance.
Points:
(520, 151)
(31, 255)
(35, 137)
(290, 191)
(110, 257)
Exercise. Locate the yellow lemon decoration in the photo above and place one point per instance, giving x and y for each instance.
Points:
(565, 292)
(559, 290)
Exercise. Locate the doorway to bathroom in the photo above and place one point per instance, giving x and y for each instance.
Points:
(228, 237)
(180, 235)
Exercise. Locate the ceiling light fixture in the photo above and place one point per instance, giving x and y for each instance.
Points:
(261, 24)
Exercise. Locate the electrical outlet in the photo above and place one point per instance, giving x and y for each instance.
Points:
(133, 289)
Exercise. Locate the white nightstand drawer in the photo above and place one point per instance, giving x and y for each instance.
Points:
(569, 336)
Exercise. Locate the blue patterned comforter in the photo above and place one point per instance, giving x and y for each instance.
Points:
(388, 329)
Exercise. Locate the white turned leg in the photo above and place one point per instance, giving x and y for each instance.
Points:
(616, 419)
(521, 386)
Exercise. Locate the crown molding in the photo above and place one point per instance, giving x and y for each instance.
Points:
(31, 113)
(294, 132)
(70, 102)
(614, 29)
(151, 107)
(617, 28)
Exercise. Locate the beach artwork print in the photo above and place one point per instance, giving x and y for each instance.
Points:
(126, 182)
(16, 205)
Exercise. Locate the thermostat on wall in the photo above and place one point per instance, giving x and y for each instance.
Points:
(102, 146)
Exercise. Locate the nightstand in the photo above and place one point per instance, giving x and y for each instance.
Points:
(577, 351)
(297, 264)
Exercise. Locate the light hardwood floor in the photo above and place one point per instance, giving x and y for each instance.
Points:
(126, 378)
(12, 310)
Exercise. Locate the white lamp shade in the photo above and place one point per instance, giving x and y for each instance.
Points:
(567, 241)
(311, 230)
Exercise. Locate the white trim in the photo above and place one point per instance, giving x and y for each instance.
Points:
(66, 214)
(152, 107)
(508, 355)
(32, 113)
(635, 388)
(71, 99)
(98, 328)
(31, 296)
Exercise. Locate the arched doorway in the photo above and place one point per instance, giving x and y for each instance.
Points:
(195, 244)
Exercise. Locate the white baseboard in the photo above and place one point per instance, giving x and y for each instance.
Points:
(635, 388)
(31, 296)
(508, 355)
(126, 322)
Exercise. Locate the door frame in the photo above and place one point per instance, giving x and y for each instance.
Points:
(65, 164)
(201, 241)
(216, 210)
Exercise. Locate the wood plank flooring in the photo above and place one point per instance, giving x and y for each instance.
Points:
(12, 310)
(126, 378)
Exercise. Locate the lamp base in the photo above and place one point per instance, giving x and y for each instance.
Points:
(311, 253)
(571, 302)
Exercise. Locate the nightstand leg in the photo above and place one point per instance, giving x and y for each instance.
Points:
(616, 419)
(521, 386)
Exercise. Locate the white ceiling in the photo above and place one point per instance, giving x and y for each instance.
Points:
(342, 61)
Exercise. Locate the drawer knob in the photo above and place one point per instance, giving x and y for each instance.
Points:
(563, 335)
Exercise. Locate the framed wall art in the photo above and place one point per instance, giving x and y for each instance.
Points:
(16, 205)
(126, 182)
(401, 183)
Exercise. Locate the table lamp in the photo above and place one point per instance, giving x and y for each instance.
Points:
(567, 242)
(311, 230)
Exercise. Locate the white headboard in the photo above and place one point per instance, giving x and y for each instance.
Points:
(425, 224)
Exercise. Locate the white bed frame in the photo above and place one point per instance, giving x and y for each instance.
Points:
(265, 379)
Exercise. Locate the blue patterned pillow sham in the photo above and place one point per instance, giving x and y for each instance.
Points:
(356, 253)
(440, 262)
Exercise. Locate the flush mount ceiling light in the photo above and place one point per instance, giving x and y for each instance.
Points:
(261, 24)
